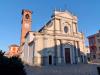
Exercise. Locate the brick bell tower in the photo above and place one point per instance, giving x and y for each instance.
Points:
(26, 24)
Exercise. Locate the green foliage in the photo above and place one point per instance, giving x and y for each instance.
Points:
(1, 53)
(11, 66)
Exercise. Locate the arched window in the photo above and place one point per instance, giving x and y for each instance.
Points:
(27, 16)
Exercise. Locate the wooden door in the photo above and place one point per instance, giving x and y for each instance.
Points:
(67, 55)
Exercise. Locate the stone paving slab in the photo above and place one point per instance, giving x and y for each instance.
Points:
(77, 69)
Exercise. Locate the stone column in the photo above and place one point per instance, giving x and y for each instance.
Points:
(36, 58)
(61, 53)
(28, 54)
(76, 51)
(57, 24)
(45, 56)
(55, 52)
(58, 52)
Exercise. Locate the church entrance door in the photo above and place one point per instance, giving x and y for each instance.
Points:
(67, 55)
(50, 60)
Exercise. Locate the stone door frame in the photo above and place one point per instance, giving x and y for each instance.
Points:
(67, 46)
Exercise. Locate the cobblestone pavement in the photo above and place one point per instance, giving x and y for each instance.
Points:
(76, 69)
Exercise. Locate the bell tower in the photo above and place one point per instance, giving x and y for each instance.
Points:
(26, 24)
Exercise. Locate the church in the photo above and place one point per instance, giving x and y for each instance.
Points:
(58, 42)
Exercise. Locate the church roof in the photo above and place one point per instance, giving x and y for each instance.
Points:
(41, 29)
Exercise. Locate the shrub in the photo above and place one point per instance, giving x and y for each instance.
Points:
(11, 66)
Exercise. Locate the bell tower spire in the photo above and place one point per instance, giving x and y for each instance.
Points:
(26, 24)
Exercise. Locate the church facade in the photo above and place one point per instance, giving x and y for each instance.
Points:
(56, 43)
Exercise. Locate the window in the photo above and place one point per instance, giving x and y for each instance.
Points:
(65, 29)
(92, 42)
(98, 40)
(27, 16)
(99, 48)
(94, 56)
(98, 35)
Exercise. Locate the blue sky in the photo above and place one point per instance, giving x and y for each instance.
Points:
(88, 12)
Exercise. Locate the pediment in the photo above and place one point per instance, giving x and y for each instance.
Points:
(48, 26)
(64, 14)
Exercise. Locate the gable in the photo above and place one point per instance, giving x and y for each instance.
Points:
(58, 21)
(48, 27)
(65, 14)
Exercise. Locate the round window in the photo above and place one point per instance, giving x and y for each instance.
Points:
(65, 29)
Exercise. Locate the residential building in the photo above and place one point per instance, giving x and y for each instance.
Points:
(94, 45)
(88, 53)
(13, 51)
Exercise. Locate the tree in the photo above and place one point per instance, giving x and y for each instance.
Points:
(11, 66)
(1, 53)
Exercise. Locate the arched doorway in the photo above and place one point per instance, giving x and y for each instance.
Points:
(50, 60)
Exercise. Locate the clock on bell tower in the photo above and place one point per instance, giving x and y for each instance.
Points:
(26, 24)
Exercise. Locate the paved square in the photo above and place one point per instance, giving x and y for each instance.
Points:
(77, 69)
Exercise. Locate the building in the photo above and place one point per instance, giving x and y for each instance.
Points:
(94, 45)
(26, 24)
(57, 42)
(98, 45)
(13, 50)
(88, 53)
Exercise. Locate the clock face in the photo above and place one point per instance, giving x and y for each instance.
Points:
(26, 25)
(27, 16)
